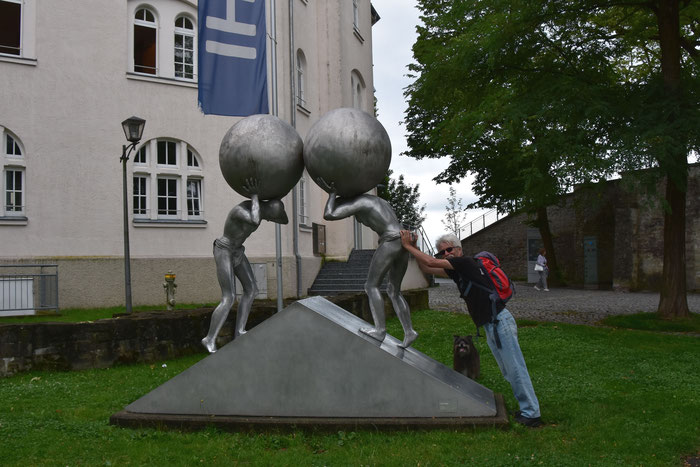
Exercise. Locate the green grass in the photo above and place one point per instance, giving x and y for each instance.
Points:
(652, 322)
(77, 315)
(608, 397)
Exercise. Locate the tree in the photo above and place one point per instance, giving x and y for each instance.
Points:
(535, 97)
(404, 199)
(455, 214)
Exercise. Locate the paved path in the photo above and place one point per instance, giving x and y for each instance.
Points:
(576, 306)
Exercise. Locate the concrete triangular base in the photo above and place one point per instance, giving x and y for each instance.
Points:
(311, 362)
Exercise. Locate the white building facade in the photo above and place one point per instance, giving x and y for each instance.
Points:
(72, 71)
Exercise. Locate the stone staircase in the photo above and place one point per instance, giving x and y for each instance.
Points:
(344, 277)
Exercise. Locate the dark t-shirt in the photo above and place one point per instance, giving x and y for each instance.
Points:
(478, 300)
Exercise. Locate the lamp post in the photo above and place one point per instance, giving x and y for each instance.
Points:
(133, 129)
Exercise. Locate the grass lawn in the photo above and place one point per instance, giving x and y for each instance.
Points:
(608, 396)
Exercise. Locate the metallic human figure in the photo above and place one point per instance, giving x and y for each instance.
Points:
(231, 261)
(389, 258)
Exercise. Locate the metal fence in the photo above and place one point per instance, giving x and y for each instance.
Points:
(28, 288)
(479, 223)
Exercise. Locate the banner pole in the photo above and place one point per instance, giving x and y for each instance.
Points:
(275, 112)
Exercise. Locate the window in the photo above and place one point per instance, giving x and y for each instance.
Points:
(167, 153)
(358, 87)
(12, 147)
(300, 81)
(140, 157)
(184, 48)
(303, 202)
(18, 31)
(10, 27)
(140, 195)
(163, 41)
(191, 159)
(145, 50)
(13, 181)
(167, 197)
(194, 197)
(14, 190)
(167, 186)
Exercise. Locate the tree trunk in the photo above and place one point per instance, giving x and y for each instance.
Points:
(673, 302)
(542, 223)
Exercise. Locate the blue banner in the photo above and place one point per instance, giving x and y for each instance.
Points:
(232, 57)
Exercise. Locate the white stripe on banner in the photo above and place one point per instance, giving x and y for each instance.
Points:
(232, 57)
(230, 50)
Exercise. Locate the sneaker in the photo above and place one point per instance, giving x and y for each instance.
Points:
(537, 288)
(546, 290)
(528, 422)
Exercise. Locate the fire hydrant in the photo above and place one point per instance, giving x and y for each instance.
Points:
(169, 285)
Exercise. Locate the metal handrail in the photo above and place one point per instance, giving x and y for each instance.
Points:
(423, 243)
(478, 224)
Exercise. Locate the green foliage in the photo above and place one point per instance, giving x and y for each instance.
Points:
(608, 396)
(534, 97)
(404, 198)
(455, 214)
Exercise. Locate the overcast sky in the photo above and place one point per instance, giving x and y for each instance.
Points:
(393, 37)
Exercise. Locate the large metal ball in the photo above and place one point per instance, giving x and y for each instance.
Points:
(265, 148)
(349, 148)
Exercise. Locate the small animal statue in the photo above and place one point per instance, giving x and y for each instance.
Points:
(466, 357)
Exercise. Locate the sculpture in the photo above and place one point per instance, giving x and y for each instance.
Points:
(348, 152)
(266, 148)
(256, 142)
(349, 148)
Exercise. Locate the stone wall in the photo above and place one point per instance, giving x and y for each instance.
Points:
(146, 337)
(628, 228)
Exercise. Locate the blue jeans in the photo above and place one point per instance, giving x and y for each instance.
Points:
(542, 282)
(512, 364)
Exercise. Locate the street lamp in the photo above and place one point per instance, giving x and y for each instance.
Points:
(133, 129)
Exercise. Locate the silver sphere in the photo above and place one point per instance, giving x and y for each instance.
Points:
(265, 148)
(349, 148)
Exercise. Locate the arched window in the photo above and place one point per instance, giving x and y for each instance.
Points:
(358, 89)
(301, 79)
(145, 42)
(184, 48)
(13, 176)
(167, 182)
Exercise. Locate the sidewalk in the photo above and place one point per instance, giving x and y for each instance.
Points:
(575, 306)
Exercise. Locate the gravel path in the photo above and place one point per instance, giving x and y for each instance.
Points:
(576, 306)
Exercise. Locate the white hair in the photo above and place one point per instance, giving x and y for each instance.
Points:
(448, 238)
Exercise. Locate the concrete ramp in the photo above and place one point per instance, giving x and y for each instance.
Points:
(310, 364)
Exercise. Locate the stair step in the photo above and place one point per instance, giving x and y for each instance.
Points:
(344, 277)
(343, 274)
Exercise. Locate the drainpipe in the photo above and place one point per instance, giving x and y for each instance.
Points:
(275, 112)
(293, 120)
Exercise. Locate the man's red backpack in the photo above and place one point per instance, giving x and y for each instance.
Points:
(503, 288)
(492, 267)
